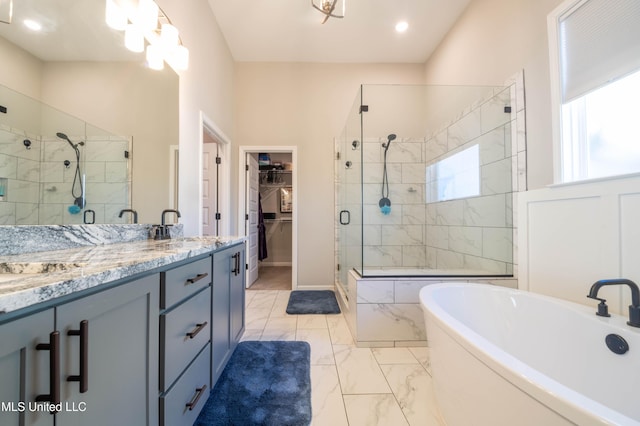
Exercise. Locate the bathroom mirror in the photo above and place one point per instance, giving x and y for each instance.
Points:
(75, 77)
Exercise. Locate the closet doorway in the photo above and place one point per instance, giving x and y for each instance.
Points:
(268, 184)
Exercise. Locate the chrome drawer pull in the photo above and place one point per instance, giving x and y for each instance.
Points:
(197, 330)
(199, 391)
(197, 278)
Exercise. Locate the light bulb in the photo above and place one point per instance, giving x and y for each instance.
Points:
(155, 58)
(180, 57)
(169, 36)
(115, 16)
(133, 38)
(147, 15)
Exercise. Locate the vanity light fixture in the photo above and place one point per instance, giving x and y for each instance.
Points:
(115, 16)
(134, 38)
(147, 21)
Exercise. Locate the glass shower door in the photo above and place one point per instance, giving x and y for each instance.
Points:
(348, 172)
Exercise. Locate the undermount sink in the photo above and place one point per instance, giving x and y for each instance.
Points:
(29, 268)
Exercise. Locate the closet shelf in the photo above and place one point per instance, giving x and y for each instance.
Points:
(275, 171)
(275, 185)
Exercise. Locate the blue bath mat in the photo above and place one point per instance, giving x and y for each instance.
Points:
(312, 302)
(264, 383)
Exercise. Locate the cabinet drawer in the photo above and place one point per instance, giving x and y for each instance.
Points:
(184, 331)
(179, 406)
(180, 282)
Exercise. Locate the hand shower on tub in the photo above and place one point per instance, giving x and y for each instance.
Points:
(77, 189)
(385, 203)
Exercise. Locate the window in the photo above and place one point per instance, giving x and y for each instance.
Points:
(457, 176)
(595, 59)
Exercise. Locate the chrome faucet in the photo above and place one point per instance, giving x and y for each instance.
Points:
(634, 308)
(135, 214)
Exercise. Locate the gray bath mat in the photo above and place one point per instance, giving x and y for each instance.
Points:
(312, 302)
(264, 384)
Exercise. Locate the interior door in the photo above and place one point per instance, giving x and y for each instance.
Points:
(209, 189)
(253, 192)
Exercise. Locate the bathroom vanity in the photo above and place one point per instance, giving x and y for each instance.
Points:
(129, 333)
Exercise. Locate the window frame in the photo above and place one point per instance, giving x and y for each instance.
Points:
(557, 115)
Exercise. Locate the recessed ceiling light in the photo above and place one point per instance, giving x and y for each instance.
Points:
(32, 25)
(402, 26)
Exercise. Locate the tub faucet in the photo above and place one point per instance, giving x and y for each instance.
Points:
(135, 214)
(634, 308)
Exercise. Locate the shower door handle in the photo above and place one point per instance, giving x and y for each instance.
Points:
(348, 214)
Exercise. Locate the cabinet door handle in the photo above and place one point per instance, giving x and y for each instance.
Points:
(54, 368)
(199, 392)
(234, 271)
(197, 330)
(83, 377)
(197, 278)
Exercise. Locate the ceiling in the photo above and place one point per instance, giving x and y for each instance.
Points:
(255, 30)
(72, 30)
(291, 30)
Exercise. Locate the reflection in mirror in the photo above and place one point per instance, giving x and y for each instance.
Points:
(80, 66)
(53, 166)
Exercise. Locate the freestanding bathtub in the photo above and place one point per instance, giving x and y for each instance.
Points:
(508, 357)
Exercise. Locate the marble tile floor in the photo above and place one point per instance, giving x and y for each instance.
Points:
(350, 385)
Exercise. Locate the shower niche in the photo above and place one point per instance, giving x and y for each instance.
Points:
(55, 167)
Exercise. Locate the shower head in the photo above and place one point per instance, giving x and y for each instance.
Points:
(391, 137)
(66, 138)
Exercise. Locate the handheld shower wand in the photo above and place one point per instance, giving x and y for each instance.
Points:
(390, 138)
(77, 191)
(385, 202)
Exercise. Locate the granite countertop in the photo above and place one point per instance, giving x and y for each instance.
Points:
(32, 278)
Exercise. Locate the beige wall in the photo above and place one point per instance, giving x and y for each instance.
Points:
(20, 70)
(492, 41)
(207, 87)
(306, 105)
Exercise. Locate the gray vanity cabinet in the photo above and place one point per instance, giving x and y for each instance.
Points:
(185, 349)
(109, 356)
(228, 305)
(25, 370)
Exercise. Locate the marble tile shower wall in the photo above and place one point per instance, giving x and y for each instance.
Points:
(38, 184)
(476, 233)
(396, 239)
